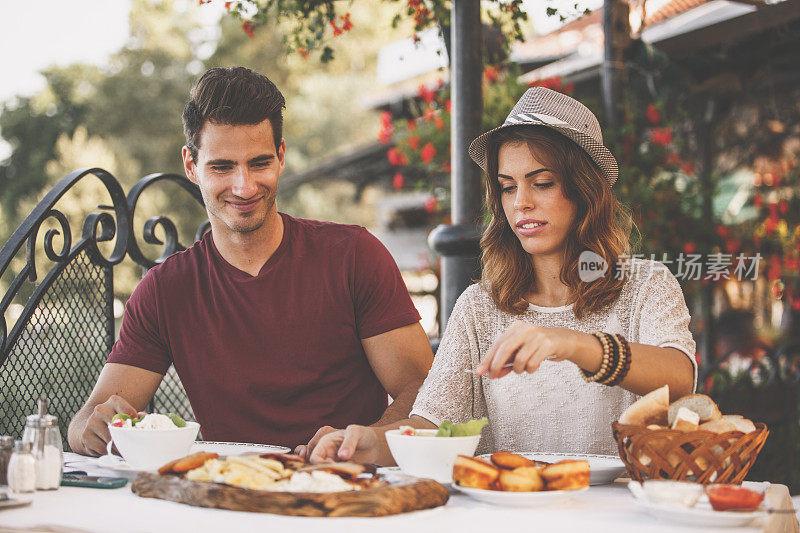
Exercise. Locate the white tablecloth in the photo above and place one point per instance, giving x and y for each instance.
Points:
(602, 508)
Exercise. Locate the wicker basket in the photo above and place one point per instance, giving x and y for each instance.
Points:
(700, 456)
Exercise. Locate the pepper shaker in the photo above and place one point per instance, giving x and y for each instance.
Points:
(22, 469)
(41, 430)
(6, 449)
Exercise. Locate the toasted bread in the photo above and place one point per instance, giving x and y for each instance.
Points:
(510, 461)
(651, 408)
(190, 462)
(475, 473)
(522, 479)
(566, 475)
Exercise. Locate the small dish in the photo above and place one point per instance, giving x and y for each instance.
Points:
(701, 515)
(120, 466)
(543, 498)
(429, 456)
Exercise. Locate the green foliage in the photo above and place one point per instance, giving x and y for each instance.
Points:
(311, 24)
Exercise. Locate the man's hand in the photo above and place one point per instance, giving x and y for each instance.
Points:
(304, 450)
(356, 443)
(95, 435)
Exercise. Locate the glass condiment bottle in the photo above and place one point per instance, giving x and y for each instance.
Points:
(41, 430)
(21, 469)
(6, 449)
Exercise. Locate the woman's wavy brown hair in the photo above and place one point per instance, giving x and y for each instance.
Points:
(601, 225)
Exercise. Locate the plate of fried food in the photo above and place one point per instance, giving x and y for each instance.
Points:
(603, 469)
(515, 480)
(287, 484)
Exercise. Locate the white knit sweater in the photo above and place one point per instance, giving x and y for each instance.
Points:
(553, 409)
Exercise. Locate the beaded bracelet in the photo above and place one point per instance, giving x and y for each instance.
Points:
(619, 363)
(625, 363)
(609, 356)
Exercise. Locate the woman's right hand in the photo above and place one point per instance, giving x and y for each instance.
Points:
(356, 443)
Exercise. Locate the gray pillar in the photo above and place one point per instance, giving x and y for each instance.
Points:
(457, 244)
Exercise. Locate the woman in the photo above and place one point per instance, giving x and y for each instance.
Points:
(561, 307)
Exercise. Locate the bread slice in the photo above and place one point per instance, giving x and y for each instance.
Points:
(568, 474)
(472, 472)
(522, 479)
(699, 403)
(718, 426)
(686, 420)
(651, 408)
(510, 461)
(742, 424)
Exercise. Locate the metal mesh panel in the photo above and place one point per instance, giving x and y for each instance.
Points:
(171, 397)
(62, 348)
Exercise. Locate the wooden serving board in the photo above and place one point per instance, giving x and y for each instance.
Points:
(403, 494)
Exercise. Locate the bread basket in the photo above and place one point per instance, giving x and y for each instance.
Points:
(700, 456)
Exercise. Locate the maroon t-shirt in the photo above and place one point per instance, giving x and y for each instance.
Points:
(271, 358)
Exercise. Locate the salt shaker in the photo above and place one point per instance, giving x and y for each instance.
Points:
(6, 449)
(22, 469)
(41, 430)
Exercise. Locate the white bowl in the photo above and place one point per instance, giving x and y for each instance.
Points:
(425, 455)
(150, 449)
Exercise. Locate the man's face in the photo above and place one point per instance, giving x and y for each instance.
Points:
(237, 170)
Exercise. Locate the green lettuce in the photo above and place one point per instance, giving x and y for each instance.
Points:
(467, 429)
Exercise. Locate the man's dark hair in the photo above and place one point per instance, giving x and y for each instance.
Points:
(233, 96)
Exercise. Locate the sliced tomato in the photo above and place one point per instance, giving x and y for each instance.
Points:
(118, 423)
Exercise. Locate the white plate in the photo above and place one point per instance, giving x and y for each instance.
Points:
(118, 464)
(543, 498)
(603, 469)
(701, 515)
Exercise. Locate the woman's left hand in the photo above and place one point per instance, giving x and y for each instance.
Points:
(526, 346)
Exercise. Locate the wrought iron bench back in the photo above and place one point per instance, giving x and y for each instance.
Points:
(62, 338)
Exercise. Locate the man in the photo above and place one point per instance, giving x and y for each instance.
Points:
(275, 325)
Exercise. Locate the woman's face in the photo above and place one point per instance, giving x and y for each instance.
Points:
(533, 200)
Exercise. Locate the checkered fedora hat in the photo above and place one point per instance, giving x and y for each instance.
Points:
(540, 106)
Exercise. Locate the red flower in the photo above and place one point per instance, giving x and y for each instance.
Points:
(398, 181)
(783, 207)
(758, 200)
(549, 83)
(428, 153)
(385, 136)
(346, 24)
(722, 231)
(247, 26)
(652, 114)
(386, 118)
(732, 246)
(429, 115)
(687, 168)
(228, 6)
(447, 105)
(396, 157)
(337, 31)
(413, 142)
(491, 74)
(411, 124)
(661, 136)
(689, 247)
(430, 204)
(425, 94)
(439, 123)
(672, 158)
(770, 225)
(446, 167)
